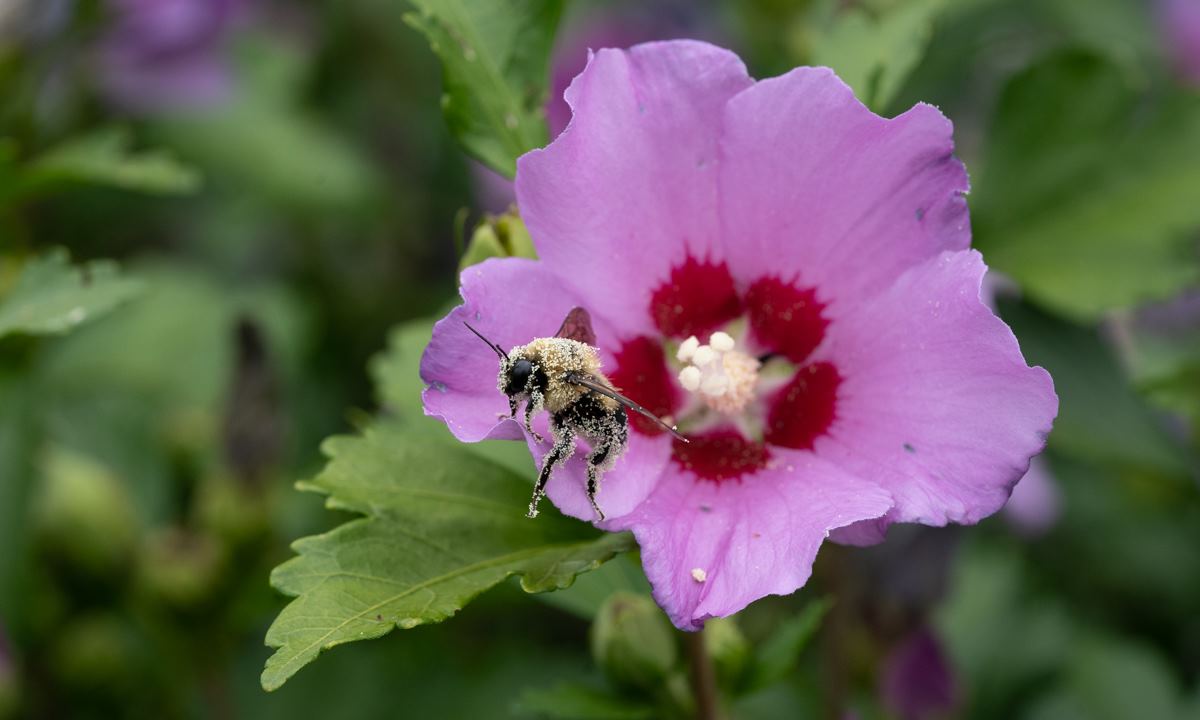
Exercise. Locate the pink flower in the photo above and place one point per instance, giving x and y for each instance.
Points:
(1179, 21)
(858, 380)
(1035, 503)
(918, 680)
(167, 55)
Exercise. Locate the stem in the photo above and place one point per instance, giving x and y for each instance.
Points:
(704, 678)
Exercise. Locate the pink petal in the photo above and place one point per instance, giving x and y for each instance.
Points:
(630, 188)
(817, 189)
(622, 488)
(710, 549)
(511, 301)
(936, 403)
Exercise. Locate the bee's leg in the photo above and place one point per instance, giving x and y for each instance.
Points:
(536, 400)
(602, 457)
(564, 446)
(595, 462)
(513, 403)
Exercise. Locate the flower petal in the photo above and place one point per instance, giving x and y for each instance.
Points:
(936, 402)
(622, 488)
(629, 189)
(814, 182)
(710, 549)
(510, 301)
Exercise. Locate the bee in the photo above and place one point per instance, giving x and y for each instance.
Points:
(561, 374)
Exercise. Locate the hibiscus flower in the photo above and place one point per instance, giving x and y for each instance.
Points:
(786, 276)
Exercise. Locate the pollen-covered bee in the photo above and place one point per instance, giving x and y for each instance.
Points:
(562, 374)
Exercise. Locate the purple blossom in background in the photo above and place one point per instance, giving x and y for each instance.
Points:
(165, 55)
(1179, 21)
(918, 681)
(784, 274)
(1035, 503)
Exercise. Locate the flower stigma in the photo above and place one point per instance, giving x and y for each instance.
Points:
(723, 376)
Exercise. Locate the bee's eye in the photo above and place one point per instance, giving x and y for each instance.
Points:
(521, 370)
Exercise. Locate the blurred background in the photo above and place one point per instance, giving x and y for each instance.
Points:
(264, 206)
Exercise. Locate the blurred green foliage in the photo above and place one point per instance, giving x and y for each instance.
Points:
(192, 298)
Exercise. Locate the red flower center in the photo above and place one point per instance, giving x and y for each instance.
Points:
(785, 320)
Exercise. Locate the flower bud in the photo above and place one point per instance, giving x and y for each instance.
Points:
(83, 515)
(498, 236)
(728, 648)
(632, 641)
(181, 569)
(96, 655)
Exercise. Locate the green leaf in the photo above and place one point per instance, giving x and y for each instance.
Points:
(576, 701)
(105, 157)
(495, 59)
(1101, 417)
(398, 387)
(989, 607)
(397, 371)
(1087, 195)
(1111, 679)
(780, 653)
(265, 140)
(51, 297)
(442, 526)
(587, 595)
(874, 55)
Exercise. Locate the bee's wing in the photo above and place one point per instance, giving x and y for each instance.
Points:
(596, 385)
(577, 326)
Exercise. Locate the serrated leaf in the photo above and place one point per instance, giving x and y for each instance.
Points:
(1087, 196)
(51, 297)
(398, 389)
(780, 653)
(587, 595)
(874, 55)
(442, 525)
(495, 59)
(106, 157)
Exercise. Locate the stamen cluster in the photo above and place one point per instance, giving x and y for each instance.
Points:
(723, 376)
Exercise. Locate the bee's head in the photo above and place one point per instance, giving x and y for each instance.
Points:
(515, 368)
(514, 373)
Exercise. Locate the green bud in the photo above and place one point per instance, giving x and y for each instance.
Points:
(728, 648)
(95, 654)
(83, 515)
(633, 642)
(231, 511)
(181, 569)
(498, 236)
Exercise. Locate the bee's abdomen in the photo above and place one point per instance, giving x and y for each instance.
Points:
(594, 416)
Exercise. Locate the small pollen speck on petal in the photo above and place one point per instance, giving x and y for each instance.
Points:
(699, 575)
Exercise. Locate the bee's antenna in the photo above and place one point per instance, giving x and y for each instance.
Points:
(495, 348)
